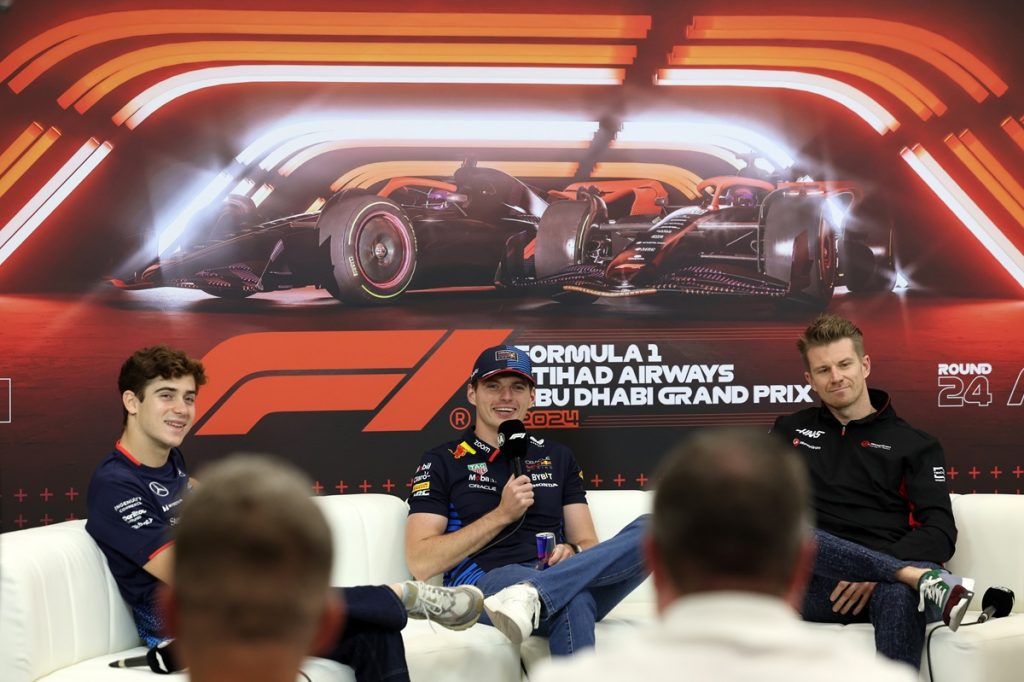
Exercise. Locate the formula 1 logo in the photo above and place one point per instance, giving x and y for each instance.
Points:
(406, 375)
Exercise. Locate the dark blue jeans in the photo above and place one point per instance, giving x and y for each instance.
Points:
(579, 591)
(892, 607)
(372, 641)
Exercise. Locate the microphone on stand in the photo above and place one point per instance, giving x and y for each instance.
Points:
(997, 603)
(513, 441)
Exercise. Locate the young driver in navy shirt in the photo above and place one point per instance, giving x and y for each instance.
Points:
(136, 493)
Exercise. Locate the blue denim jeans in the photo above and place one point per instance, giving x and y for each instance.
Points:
(578, 592)
(892, 607)
(371, 643)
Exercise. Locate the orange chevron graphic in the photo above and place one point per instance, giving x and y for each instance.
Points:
(253, 375)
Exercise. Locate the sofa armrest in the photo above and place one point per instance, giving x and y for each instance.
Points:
(988, 546)
(60, 602)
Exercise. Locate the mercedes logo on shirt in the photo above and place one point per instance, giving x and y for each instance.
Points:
(159, 489)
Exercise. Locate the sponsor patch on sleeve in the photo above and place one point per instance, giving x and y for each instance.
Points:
(940, 474)
(425, 485)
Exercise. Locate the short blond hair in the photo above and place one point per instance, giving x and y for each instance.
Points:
(828, 329)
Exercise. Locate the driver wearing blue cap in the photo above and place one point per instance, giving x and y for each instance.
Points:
(473, 520)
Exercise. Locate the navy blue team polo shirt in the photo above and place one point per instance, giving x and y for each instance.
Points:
(462, 480)
(131, 509)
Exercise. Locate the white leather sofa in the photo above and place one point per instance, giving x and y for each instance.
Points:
(63, 620)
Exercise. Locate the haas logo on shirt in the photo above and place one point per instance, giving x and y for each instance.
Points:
(159, 489)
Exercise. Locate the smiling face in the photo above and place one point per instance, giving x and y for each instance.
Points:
(838, 375)
(499, 398)
(160, 418)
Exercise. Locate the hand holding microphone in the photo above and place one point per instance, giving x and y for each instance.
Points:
(517, 496)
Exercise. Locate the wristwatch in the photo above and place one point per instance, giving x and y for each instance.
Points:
(576, 549)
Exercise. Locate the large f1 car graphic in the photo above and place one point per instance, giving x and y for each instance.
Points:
(745, 237)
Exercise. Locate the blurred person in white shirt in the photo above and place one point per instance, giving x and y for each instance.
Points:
(731, 550)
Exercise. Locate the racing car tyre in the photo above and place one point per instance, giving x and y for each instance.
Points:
(372, 248)
(863, 271)
(810, 261)
(561, 234)
(824, 264)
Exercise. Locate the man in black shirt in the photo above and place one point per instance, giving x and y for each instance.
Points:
(884, 518)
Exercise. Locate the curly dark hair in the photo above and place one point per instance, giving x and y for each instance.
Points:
(147, 364)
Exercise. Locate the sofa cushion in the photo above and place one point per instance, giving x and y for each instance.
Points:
(369, 543)
(989, 547)
(435, 654)
(369, 538)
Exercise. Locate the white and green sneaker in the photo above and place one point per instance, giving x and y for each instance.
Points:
(950, 593)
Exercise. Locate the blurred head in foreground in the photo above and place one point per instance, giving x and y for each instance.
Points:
(731, 512)
(251, 595)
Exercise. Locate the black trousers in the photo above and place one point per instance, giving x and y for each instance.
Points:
(371, 643)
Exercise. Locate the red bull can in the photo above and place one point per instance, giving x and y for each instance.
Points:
(545, 548)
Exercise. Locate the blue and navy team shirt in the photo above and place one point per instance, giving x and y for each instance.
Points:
(462, 480)
(132, 508)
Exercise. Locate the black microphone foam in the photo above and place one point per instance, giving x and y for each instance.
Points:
(163, 658)
(997, 603)
(513, 441)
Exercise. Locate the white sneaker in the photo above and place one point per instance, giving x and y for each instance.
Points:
(456, 608)
(515, 611)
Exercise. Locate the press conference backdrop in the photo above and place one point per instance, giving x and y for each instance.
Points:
(130, 134)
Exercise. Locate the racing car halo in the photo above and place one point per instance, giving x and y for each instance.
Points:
(745, 237)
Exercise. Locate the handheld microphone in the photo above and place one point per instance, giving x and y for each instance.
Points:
(513, 441)
(997, 603)
(161, 659)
